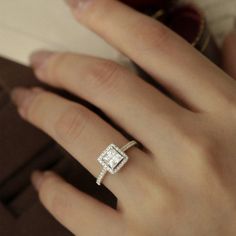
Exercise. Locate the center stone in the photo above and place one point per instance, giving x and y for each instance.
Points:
(112, 158)
(114, 161)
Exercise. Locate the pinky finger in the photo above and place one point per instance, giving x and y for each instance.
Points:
(77, 211)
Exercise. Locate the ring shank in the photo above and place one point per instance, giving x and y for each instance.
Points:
(128, 146)
(101, 176)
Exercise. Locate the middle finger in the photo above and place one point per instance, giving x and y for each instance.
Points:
(163, 54)
(132, 103)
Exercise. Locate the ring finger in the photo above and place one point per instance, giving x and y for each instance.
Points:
(132, 103)
(83, 134)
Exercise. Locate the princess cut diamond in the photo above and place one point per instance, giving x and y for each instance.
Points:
(113, 159)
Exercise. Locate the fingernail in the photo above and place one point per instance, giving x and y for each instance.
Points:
(22, 97)
(80, 5)
(39, 60)
(36, 178)
(72, 3)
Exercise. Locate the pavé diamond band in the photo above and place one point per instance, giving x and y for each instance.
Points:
(113, 159)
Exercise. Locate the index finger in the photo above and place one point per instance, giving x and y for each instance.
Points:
(172, 61)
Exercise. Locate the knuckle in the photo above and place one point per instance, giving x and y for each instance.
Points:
(154, 36)
(195, 138)
(104, 75)
(201, 153)
(69, 126)
(203, 146)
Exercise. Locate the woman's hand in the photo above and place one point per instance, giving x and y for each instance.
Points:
(184, 182)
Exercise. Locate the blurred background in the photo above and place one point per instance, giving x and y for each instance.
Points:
(27, 25)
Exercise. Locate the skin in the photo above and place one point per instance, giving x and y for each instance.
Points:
(184, 183)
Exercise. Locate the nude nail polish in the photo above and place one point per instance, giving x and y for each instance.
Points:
(21, 95)
(39, 58)
(39, 61)
(36, 179)
(78, 5)
(22, 98)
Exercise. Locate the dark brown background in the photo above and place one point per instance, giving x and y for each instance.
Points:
(23, 148)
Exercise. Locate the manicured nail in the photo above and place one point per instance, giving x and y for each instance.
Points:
(72, 3)
(22, 97)
(39, 58)
(39, 61)
(79, 5)
(36, 178)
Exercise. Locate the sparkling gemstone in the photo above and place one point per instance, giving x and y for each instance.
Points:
(113, 158)
(107, 158)
(114, 162)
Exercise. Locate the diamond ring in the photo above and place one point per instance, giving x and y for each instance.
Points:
(113, 159)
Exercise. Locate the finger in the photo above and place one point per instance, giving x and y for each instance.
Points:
(167, 57)
(229, 54)
(132, 103)
(83, 134)
(77, 211)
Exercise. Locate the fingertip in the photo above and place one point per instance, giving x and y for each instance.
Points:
(22, 98)
(38, 58)
(39, 61)
(37, 178)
